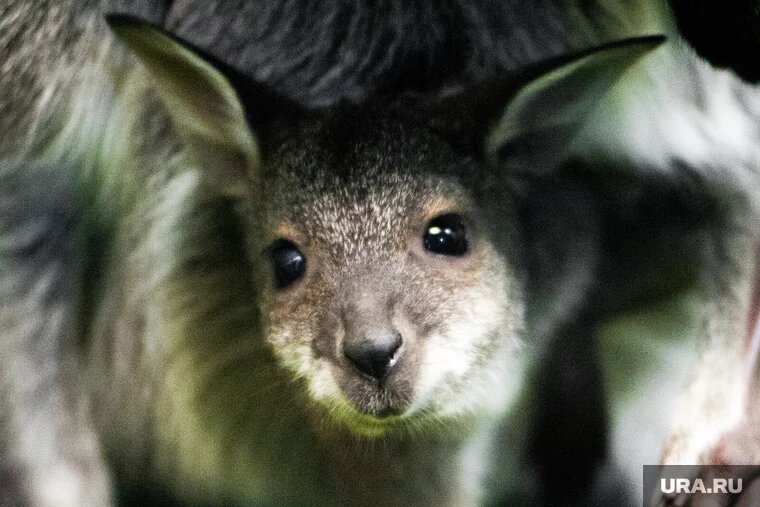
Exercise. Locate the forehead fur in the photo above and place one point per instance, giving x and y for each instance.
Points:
(356, 141)
(361, 169)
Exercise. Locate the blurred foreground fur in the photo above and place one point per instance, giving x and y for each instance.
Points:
(103, 216)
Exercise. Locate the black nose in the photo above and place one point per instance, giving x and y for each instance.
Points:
(373, 355)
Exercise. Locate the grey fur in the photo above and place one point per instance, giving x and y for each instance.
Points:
(361, 49)
(39, 246)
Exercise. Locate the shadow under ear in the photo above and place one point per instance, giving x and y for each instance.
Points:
(568, 442)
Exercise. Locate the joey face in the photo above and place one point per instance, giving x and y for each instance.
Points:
(385, 291)
(388, 289)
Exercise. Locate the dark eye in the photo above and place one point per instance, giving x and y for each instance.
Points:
(446, 235)
(288, 262)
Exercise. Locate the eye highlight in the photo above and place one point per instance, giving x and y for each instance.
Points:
(288, 263)
(446, 235)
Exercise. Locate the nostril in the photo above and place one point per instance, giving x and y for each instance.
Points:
(375, 355)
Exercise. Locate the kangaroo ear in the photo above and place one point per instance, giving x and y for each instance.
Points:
(201, 95)
(550, 108)
(531, 119)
